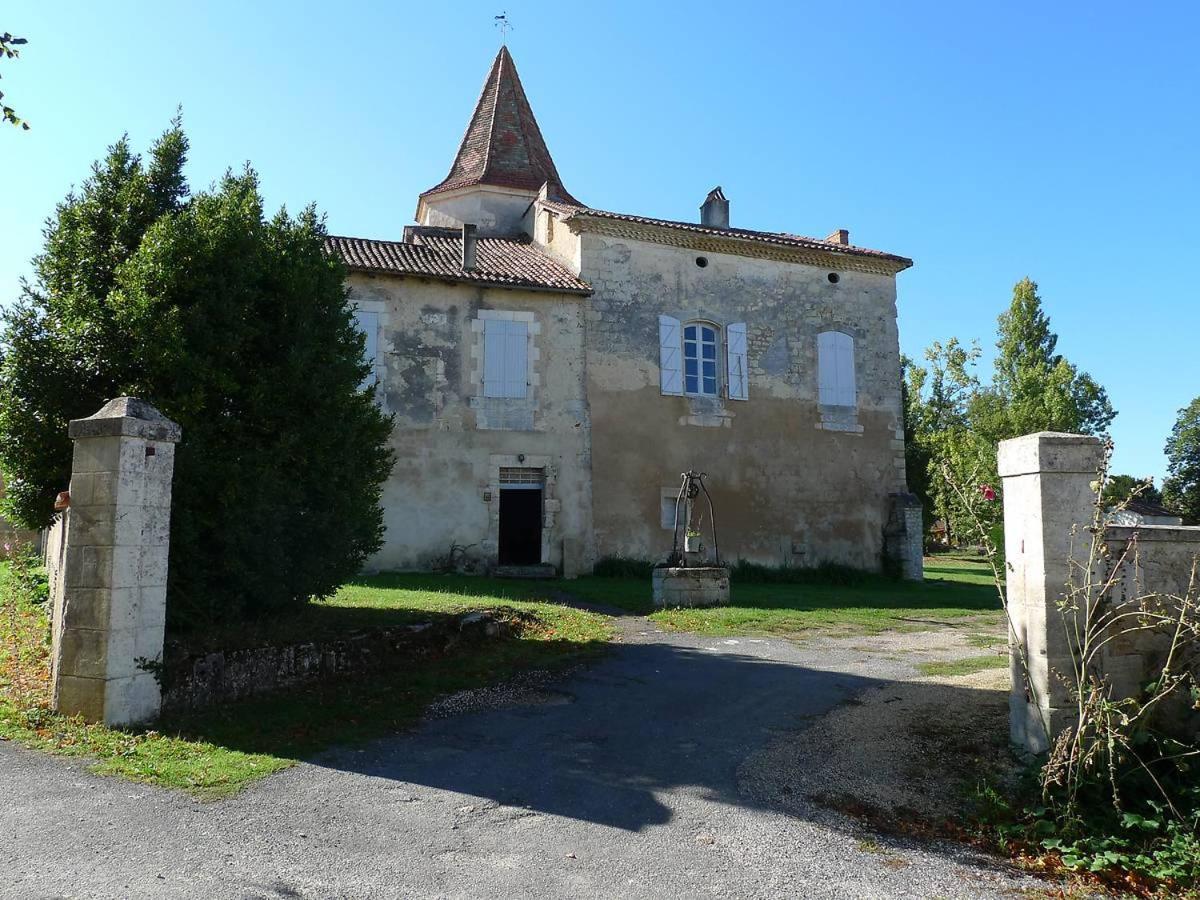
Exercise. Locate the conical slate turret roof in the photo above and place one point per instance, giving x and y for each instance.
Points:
(503, 145)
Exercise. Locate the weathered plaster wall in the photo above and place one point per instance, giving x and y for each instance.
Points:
(492, 210)
(787, 490)
(450, 441)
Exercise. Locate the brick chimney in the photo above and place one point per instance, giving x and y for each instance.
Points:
(470, 243)
(841, 236)
(715, 211)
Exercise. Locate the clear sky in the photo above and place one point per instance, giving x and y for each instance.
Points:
(986, 141)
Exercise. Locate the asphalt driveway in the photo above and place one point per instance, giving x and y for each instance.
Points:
(628, 778)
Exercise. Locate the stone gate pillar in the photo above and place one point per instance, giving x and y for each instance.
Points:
(1047, 491)
(110, 598)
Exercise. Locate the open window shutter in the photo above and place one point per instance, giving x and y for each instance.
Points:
(368, 324)
(735, 360)
(670, 356)
(515, 360)
(494, 339)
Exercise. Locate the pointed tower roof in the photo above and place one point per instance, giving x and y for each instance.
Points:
(503, 145)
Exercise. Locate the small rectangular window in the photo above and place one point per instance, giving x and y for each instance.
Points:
(835, 367)
(505, 358)
(700, 359)
(367, 324)
(667, 508)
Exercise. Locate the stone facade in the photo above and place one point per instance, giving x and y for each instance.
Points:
(791, 484)
(452, 442)
(801, 473)
(1049, 501)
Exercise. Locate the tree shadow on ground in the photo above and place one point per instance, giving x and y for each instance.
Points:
(607, 744)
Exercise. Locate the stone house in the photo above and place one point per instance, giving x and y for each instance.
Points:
(1142, 512)
(553, 368)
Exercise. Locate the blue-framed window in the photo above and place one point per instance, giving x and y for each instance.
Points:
(700, 359)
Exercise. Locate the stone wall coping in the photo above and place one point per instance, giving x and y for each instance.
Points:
(1182, 534)
(126, 417)
(1050, 451)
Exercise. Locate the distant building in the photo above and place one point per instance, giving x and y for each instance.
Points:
(1143, 512)
(553, 368)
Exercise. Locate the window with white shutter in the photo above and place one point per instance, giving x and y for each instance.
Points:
(737, 371)
(368, 325)
(505, 358)
(835, 367)
(670, 365)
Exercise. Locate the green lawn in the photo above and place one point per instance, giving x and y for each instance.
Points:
(220, 750)
(957, 594)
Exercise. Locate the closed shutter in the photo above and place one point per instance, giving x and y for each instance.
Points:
(368, 324)
(516, 362)
(670, 365)
(505, 358)
(735, 360)
(835, 366)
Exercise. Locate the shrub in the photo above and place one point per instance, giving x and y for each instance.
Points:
(623, 567)
(232, 324)
(825, 573)
(27, 579)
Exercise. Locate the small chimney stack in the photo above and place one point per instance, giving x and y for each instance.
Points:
(841, 236)
(470, 244)
(715, 211)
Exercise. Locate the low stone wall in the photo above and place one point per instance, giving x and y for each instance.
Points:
(194, 680)
(690, 586)
(1159, 561)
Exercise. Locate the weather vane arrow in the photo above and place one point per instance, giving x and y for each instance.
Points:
(505, 26)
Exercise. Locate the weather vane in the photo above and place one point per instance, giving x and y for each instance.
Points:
(503, 24)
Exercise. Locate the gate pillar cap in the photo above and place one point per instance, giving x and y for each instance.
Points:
(1050, 451)
(126, 417)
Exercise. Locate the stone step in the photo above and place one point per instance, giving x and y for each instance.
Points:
(539, 571)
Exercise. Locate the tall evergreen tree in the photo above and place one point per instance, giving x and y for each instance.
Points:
(1034, 388)
(235, 326)
(1181, 489)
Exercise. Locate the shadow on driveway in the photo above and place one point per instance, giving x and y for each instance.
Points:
(607, 744)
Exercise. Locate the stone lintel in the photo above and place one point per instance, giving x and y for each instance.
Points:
(1050, 451)
(126, 417)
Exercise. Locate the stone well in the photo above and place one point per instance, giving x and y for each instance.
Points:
(690, 586)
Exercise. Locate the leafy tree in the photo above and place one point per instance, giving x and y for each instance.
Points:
(1120, 488)
(1181, 489)
(957, 421)
(8, 43)
(234, 325)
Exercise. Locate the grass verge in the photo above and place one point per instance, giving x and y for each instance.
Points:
(968, 666)
(218, 751)
(871, 605)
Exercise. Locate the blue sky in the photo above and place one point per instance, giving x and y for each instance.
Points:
(987, 142)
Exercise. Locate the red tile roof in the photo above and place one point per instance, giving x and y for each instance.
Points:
(779, 238)
(437, 253)
(503, 145)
